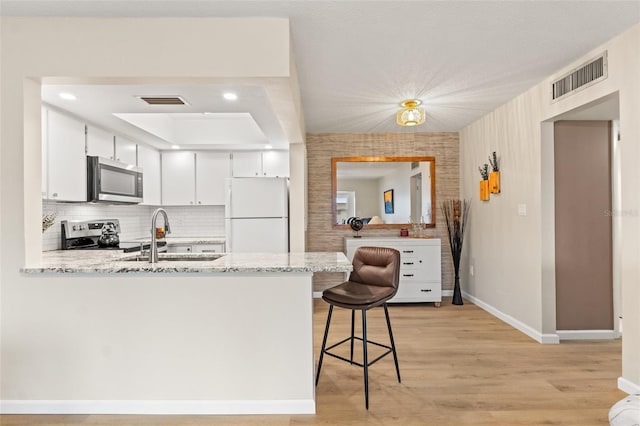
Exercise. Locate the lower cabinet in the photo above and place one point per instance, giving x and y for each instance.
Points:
(420, 271)
(195, 248)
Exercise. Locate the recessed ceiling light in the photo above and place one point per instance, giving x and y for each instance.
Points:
(175, 146)
(230, 96)
(68, 96)
(268, 146)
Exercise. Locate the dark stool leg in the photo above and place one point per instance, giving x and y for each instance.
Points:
(393, 345)
(365, 362)
(324, 343)
(353, 317)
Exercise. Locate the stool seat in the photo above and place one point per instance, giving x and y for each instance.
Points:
(353, 295)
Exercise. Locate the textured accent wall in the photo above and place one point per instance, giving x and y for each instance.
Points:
(321, 147)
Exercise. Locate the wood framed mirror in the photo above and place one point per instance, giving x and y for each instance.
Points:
(385, 192)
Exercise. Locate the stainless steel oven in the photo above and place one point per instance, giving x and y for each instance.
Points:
(112, 181)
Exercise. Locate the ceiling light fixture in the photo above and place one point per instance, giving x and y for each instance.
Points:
(68, 96)
(230, 96)
(268, 146)
(410, 114)
(175, 146)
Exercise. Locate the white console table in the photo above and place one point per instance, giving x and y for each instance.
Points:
(420, 274)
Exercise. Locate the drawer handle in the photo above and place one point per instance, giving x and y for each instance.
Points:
(407, 275)
(208, 251)
(407, 263)
(407, 251)
(427, 290)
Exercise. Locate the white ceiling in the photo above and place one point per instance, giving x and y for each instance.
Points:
(357, 60)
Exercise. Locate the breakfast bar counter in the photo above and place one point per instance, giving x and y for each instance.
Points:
(223, 334)
(116, 262)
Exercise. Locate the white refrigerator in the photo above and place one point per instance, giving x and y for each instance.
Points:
(257, 215)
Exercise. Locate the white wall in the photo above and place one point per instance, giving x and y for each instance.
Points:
(86, 51)
(367, 195)
(513, 270)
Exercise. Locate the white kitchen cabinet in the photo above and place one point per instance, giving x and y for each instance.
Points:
(190, 178)
(275, 163)
(149, 160)
(247, 164)
(420, 271)
(66, 162)
(260, 164)
(207, 248)
(178, 178)
(195, 248)
(99, 142)
(212, 168)
(43, 145)
(126, 151)
(103, 143)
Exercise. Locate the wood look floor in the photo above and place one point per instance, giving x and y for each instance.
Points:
(459, 366)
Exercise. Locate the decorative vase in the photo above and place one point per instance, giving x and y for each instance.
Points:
(494, 182)
(457, 294)
(484, 190)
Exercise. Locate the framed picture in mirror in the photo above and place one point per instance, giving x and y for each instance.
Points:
(388, 201)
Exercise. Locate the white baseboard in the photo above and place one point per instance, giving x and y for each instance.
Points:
(447, 293)
(628, 386)
(302, 406)
(587, 334)
(550, 338)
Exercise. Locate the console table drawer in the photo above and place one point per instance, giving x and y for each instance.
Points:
(418, 291)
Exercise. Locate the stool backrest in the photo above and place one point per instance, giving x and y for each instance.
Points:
(379, 266)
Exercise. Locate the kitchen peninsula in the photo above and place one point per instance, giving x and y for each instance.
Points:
(231, 335)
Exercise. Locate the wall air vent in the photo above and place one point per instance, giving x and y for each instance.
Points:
(581, 77)
(163, 100)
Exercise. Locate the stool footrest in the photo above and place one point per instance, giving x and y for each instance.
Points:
(389, 350)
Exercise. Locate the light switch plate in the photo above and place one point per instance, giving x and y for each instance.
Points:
(522, 209)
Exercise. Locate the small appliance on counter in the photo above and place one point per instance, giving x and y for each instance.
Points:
(100, 234)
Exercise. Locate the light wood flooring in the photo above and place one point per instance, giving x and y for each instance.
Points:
(459, 366)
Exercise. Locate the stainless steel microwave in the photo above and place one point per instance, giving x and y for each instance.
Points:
(113, 182)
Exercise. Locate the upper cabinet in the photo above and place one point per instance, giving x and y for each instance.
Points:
(99, 142)
(65, 163)
(212, 168)
(102, 143)
(275, 163)
(178, 178)
(190, 178)
(126, 150)
(149, 160)
(260, 164)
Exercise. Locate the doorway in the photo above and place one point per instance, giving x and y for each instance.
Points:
(416, 198)
(583, 225)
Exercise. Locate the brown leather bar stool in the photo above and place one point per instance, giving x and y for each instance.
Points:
(373, 281)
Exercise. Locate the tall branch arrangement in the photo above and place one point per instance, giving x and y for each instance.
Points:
(455, 214)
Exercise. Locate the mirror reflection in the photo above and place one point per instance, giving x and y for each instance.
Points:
(385, 192)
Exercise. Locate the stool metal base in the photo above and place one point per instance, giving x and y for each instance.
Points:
(391, 349)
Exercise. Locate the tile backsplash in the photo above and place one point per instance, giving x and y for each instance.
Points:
(135, 220)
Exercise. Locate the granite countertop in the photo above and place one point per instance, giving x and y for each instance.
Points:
(116, 262)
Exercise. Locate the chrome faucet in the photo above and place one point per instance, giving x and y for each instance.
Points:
(153, 250)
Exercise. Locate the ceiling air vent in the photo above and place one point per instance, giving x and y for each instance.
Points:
(581, 77)
(163, 100)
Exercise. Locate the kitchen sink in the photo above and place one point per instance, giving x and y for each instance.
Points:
(179, 257)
